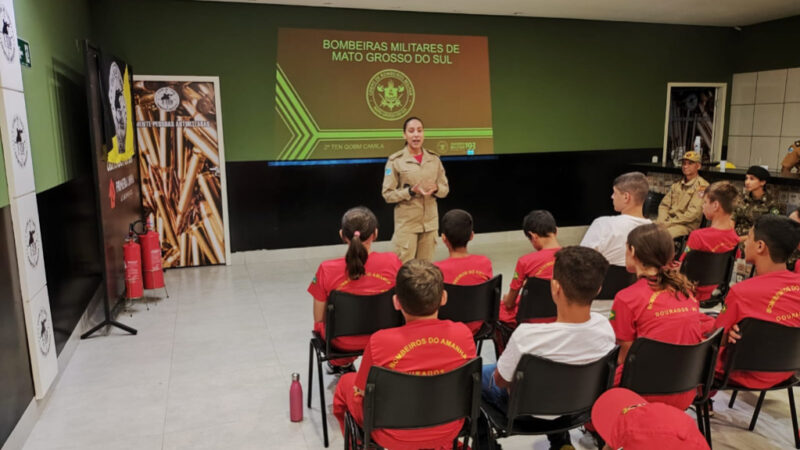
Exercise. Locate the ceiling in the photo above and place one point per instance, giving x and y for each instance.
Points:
(688, 12)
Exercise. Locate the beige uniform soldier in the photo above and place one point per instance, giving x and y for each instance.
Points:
(416, 216)
(791, 160)
(681, 210)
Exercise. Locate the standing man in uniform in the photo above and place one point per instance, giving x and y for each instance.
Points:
(681, 210)
(791, 160)
(413, 179)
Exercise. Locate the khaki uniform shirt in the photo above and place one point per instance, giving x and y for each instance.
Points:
(419, 213)
(681, 210)
(750, 209)
(793, 158)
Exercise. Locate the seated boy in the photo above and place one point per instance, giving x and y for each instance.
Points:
(461, 267)
(540, 228)
(607, 234)
(720, 237)
(773, 294)
(578, 336)
(438, 346)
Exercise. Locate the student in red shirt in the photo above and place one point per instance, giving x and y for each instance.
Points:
(461, 267)
(540, 229)
(425, 345)
(360, 272)
(720, 237)
(773, 294)
(659, 305)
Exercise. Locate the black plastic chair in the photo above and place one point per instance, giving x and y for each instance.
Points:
(710, 269)
(348, 315)
(544, 387)
(764, 347)
(474, 303)
(658, 368)
(617, 278)
(396, 400)
(536, 300)
(651, 204)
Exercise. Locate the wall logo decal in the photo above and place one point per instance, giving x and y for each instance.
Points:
(116, 99)
(167, 99)
(19, 141)
(32, 243)
(390, 94)
(8, 35)
(43, 332)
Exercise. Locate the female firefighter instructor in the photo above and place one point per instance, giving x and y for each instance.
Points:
(413, 179)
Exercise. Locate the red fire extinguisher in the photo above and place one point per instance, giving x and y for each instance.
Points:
(132, 257)
(151, 258)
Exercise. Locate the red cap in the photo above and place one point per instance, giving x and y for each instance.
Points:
(625, 420)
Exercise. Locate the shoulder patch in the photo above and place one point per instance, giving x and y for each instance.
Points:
(612, 315)
(775, 211)
(314, 280)
(388, 171)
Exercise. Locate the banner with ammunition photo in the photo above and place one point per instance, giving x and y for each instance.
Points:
(346, 94)
(179, 131)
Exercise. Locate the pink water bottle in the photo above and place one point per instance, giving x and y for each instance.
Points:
(296, 399)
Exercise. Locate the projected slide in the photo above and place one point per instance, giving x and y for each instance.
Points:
(345, 94)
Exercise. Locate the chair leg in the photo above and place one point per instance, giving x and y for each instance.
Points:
(733, 398)
(699, 408)
(707, 421)
(758, 410)
(793, 409)
(310, 379)
(480, 347)
(322, 405)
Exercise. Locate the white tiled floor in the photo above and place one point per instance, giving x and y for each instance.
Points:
(211, 366)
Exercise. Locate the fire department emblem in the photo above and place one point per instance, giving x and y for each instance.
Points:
(167, 99)
(390, 94)
(43, 332)
(116, 99)
(32, 243)
(8, 35)
(19, 141)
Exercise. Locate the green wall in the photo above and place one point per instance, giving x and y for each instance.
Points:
(767, 46)
(55, 92)
(557, 85)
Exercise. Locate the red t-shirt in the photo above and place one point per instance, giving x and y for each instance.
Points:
(381, 271)
(538, 264)
(639, 311)
(774, 297)
(467, 271)
(421, 347)
(711, 240)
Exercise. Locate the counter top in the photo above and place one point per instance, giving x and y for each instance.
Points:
(714, 174)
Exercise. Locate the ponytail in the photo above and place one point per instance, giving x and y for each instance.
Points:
(359, 224)
(672, 280)
(655, 248)
(356, 257)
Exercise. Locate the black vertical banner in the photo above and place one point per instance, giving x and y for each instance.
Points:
(109, 82)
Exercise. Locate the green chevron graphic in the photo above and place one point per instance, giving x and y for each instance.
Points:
(306, 133)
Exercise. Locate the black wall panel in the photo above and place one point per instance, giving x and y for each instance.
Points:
(273, 207)
(16, 382)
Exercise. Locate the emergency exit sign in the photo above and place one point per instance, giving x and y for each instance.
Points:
(24, 53)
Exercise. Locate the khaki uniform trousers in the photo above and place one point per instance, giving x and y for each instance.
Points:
(410, 246)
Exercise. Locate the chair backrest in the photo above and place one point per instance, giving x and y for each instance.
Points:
(544, 387)
(654, 367)
(651, 204)
(352, 315)
(708, 269)
(536, 300)
(400, 400)
(764, 346)
(473, 303)
(617, 279)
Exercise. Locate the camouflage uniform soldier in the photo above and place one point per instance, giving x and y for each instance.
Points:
(756, 201)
